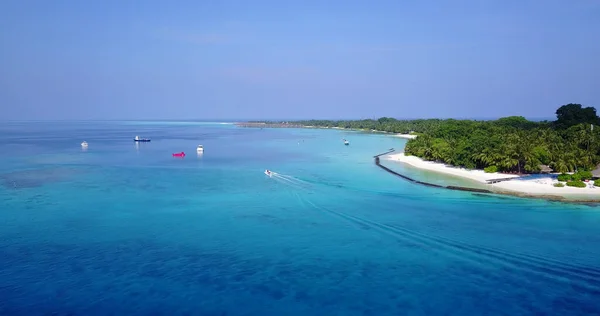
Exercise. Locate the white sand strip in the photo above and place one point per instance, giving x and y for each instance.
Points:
(407, 136)
(477, 175)
(541, 186)
(545, 187)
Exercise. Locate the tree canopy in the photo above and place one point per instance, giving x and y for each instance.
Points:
(509, 144)
(572, 114)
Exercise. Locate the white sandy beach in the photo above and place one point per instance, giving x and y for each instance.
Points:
(545, 186)
(540, 186)
(407, 136)
(477, 175)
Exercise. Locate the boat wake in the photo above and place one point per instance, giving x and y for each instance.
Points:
(586, 278)
(290, 180)
(583, 277)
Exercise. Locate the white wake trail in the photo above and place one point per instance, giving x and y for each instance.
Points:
(289, 180)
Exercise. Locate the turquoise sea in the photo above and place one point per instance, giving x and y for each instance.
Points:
(126, 229)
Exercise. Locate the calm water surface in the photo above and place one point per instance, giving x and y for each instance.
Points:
(126, 229)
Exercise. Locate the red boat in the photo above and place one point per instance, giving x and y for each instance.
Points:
(181, 154)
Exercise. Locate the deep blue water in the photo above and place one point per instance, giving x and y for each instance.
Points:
(122, 229)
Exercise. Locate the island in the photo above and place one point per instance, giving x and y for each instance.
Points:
(502, 154)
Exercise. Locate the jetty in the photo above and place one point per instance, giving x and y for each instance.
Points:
(492, 181)
(450, 187)
(391, 150)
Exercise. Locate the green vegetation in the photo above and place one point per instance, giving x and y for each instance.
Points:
(573, 114)
(585, 174)
(511, 144)
(559, 185)
(577, 184)
(564, 177)
(383, 124)
(597, 183)
(580, 175)
(490, 169)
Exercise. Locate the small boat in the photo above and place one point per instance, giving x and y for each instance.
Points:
(346, 142)
(143, 140)
(268, 172)
(84, 144)
(181, 154)
(200, 148)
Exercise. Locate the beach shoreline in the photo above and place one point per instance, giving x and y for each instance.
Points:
(406, 136)
(476, 175)
(292, 125)
(539, 187)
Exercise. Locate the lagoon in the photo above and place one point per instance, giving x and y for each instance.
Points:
(124, 228)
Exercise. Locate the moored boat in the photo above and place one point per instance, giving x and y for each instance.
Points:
(200, 148)
(143, 140)
(84, 144)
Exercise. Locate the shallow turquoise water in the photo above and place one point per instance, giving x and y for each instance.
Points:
(125, 229)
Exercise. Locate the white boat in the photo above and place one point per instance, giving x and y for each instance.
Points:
(269, 173)
(200, 148)
(346, 142)
(84, 144)
(142, 140)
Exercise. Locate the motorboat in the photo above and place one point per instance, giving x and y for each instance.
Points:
(200, 148)
(346, 142)
(181, 154)
(142, 140)
(84, 144)
(268, 172)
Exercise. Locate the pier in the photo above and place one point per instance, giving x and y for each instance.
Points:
(450, 187)
(391, 150)
(499, 180)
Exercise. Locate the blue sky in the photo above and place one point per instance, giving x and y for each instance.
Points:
(296, 59)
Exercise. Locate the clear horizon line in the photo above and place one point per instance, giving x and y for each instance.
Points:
(265, 119)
